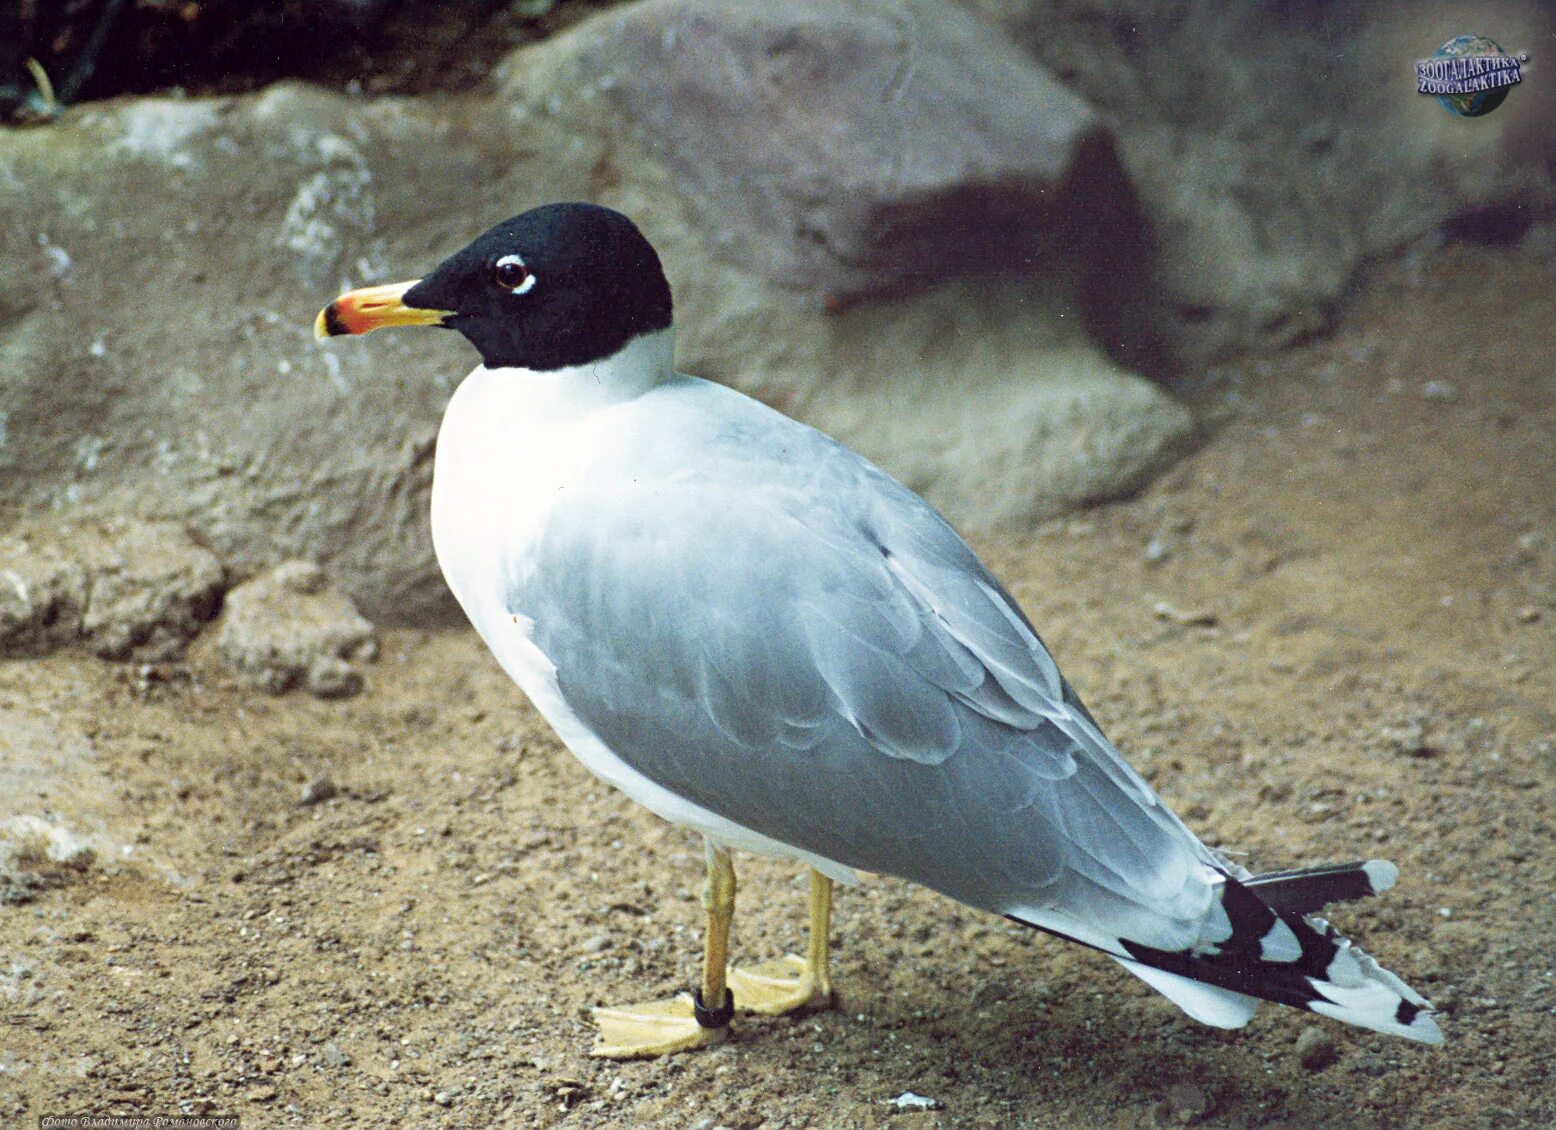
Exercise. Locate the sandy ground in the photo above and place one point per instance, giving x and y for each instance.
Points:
(1328, 635)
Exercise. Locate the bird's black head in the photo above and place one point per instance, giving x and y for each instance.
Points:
(560, 285)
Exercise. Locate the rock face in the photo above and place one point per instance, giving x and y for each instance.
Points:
(42, 597)
(978, 383)
(840, 148)
(161, 261)
(159, 264)
(948, 269)
(1276, 147)
(125, 589)
(289, 628)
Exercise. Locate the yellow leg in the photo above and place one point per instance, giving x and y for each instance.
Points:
(792, 983)
(654, 1028)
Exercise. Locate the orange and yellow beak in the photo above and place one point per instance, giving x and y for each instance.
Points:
(371, 308)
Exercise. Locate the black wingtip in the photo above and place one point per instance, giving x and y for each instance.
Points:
(1308, 890)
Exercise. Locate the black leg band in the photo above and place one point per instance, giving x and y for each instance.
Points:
(713, 1017)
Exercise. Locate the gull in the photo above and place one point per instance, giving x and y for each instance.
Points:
(754, 632)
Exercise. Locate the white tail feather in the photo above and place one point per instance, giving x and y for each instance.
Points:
(1220, 1008)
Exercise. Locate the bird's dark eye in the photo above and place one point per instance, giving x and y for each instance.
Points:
(513, 275)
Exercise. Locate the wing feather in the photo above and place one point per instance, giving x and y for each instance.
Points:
(803, 646)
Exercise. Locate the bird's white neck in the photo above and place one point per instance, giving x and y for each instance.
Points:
(632, 370)
(513, 440)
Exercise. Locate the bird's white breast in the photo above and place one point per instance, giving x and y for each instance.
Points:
(502, 464)
(512, 444)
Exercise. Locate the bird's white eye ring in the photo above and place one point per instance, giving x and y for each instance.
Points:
(513, 275)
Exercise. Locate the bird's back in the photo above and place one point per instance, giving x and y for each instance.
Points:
(758, 619)
(763, 624)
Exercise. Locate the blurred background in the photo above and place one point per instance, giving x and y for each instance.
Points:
(986, 242)
(99, 48)
(1231, 352)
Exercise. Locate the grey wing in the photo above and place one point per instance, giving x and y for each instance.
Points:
(817, 656)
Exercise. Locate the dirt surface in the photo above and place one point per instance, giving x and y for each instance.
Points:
(1326, 636)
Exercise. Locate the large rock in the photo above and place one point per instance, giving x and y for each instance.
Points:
(838, 147)
(161, 261)
(765, 152)
(124, 589)
(288, 627)
(1277, 147)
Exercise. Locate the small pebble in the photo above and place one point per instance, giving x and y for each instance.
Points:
(1408, 738)
(1189, 619)
(333, 1056)
(330, 676)
(1370, 1064)
(1439, 390)
(991, 993)
(1315, 1050)
(318, 790)
(1187, 1102)
(909, 1101)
